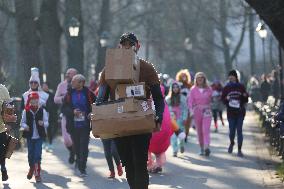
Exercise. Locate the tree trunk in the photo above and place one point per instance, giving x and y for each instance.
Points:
(252, 42)
(224, 35)
(75, 45)
(28, 40)
(103, 27)
(50, 35)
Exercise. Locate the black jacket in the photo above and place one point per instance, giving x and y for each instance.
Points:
(68, 109)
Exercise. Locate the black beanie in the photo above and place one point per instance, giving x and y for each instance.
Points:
(233, 73)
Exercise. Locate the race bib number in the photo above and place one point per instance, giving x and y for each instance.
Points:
(234, 103)
(80, 117)
(207, 113)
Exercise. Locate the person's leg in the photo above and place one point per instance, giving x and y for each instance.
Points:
(232, 133)
(76, 145)
(206, 122)
(37, 158)
(239, 126)
(187, 127)
(114, 153)
(116, 158)
(50, 133)
(198, 122)
(84, 148)
(140, 145)
(3, 140)
(221, 117)
(37, 150)
(214, 112)
(180, 142)
(161, 159)
(67, 141)
(174, 144)
(31, 148)
(108, 155)
(124, 149)
(150, 163)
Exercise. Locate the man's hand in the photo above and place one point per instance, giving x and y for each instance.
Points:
(228, 97)
(9, 118)
(40, 123)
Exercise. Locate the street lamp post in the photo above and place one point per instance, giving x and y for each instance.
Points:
(74, 27)
(262, 32)
(75, 50)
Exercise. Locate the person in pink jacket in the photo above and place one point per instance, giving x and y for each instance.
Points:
(160, 142)
(58, 99)
(199, 105)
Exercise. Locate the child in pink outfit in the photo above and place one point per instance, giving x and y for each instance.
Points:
(199, 104)
(160, 142)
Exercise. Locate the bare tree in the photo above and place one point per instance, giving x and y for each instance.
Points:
(224, 7)
(28, 40)
(50, 32)
(104, 29)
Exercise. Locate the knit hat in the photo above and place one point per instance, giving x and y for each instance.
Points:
(31, 96)
(35, 75)
(233, 73)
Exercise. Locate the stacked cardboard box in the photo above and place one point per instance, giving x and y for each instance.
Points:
(131, 113)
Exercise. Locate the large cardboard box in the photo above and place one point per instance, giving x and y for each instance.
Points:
(121, 66)
(130, 90)
(129, 117)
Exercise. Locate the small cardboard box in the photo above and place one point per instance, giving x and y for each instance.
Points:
(116, 107)
(121, 66)
(130, 90)
(126, 118)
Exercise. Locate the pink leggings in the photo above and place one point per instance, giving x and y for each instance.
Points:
(202, 123)
(66, 136)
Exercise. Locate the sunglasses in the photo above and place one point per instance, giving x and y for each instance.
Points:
(33, 82)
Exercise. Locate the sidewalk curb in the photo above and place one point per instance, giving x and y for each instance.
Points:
(265, 159)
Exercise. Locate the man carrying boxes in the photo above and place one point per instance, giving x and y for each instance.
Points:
(129, 118)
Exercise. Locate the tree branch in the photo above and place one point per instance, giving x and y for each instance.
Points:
(237, 49)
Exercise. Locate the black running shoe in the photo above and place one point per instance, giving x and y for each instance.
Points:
(4, 175)
(230, 149)
(71, 159)
(207, 152)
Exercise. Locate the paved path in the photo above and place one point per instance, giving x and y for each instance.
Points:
(189, 171)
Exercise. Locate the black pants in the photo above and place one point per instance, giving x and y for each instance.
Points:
(51, 130)
(133, 152)
(111, 152)
(215, 115)
(81, 138)
(3, 143)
